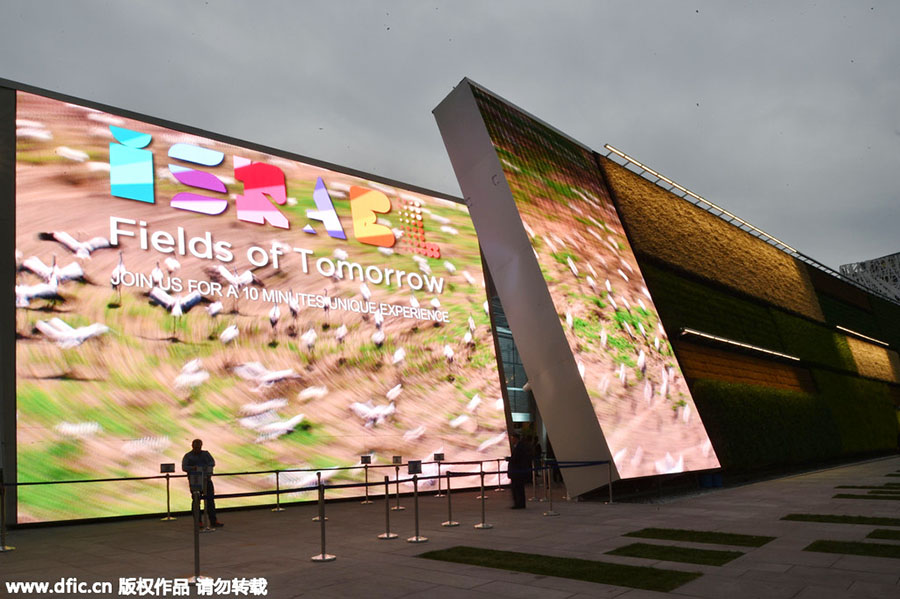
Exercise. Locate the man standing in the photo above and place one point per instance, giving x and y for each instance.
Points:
(519, 469)
(197, 460)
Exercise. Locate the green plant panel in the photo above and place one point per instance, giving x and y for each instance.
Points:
(637, 577)
(843, 314)
(861, 410)
(683, 302)
(852, 496)
(887, 315)
(754, 427)
(855, 548)
(813, 342)
(840, 519)
(673, 553)
(884, 533)
(701, 536)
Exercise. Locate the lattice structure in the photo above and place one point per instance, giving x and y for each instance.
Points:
(881, 274)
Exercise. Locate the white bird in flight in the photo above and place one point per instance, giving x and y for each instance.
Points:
(81, 249)
(70, 272)
(229, 334)
(65, 335)
(372, 415)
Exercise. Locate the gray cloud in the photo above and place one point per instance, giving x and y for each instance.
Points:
(785, 113)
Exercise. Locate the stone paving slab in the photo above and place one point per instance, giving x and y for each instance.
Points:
(277, 546)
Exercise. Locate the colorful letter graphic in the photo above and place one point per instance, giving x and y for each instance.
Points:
(411, 219)
(130, 168)
(365, 206)
(260, 180)
(324, 212)
(200, 179)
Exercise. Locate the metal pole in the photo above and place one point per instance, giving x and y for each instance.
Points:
(320, 515)
(322, 557)
(544, 478)
(417, 538)
(3, 545)
(483, 525)
(450, 521)
(196, 510)
(397, 507)
(482, 496)
(439, 494)
(549, 494)
(533, 482)
(366, 500)
(168, 503)
(609, 474)
(387, 534)
(277, 507)
(206, 523)
(499, 486)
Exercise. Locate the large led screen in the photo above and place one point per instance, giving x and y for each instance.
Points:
(171, 286)
(622, 351)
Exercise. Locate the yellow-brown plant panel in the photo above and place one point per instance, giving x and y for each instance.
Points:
(671, 229)
(705, 362)
(874, 361)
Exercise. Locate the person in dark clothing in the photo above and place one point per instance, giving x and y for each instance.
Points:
(519, 469)
(197, 460)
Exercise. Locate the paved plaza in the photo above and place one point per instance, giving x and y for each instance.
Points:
(278, 546)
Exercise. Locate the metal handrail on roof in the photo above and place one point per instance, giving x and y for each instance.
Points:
(684, 193)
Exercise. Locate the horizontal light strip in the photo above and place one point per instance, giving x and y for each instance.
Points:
(692, 332)
(694, 195)
(861, 336)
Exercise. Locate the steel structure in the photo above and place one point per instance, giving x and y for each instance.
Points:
(881, 274)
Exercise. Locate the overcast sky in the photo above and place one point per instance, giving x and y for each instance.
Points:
(787, 114)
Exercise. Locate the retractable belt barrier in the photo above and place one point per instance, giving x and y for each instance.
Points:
(320, 486)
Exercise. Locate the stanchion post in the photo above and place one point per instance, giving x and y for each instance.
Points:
(397, 507)
(277, 507)
(167, 469)
(481, 471)
(3, 545)
(320, 515)
(439, 457)
(365, 460)
(169, 515)
(483, 525)
(450, 521)
(499, 485)
(534, 496)
(549, 494)
(417, 538)
(195, 508)
(387, 534)
(205, 472)
(323, 556)
(544, 479)
(609, 475)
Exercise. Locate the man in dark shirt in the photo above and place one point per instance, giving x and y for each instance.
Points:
(519, 469)
(197, 460)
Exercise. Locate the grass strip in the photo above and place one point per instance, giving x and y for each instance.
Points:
(855, 548)
(884, 492)
(839, 519)
(700, 536)
(673, 553)
(636, 577)
(851, 496)
(893, 474)
(884, 533)
(887, 487)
